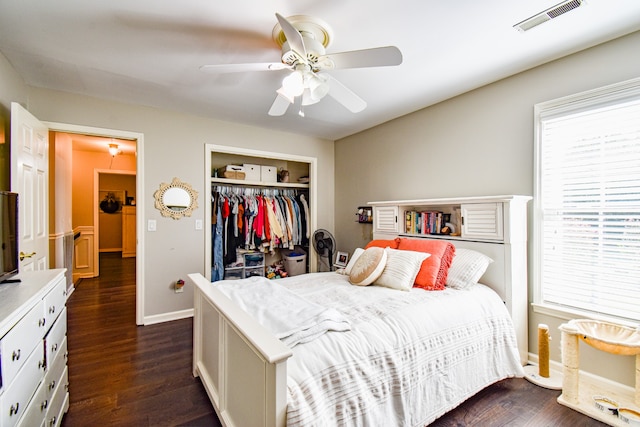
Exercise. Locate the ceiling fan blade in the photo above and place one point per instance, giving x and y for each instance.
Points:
(374, 57)
(240, 68)
(280, 104)
(345, 96)
(296, 43)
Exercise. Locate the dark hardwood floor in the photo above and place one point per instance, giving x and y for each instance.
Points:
(121, 374)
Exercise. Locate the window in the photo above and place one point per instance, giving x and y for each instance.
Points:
(587, 203)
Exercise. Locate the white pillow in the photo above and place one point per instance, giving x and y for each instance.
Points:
(368, 266)
(356, 254)
(401, 269)
(467, 268)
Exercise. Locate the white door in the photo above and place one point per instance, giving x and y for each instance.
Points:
(29, 178)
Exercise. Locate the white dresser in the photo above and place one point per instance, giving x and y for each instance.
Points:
(33, 350)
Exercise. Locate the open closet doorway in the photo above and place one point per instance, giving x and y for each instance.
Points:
(102, 170)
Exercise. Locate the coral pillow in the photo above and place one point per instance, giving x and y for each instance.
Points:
(393, 244)
(433, 272)
(368, 266)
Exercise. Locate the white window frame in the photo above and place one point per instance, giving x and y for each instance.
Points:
(608, 95)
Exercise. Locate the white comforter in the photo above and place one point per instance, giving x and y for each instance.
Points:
(290, 317)
(408, 358)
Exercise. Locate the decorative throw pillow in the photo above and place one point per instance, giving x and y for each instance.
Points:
(381, 243)
(356, 254)
(401, 269)
(433, 272)
(368, 267)
(467, 268)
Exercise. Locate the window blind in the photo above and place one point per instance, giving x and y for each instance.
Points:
(589, 208)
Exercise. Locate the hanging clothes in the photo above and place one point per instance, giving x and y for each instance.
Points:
(260, 219)
(217, 262)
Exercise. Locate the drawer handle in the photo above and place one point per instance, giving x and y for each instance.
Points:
(52, 309)
(53, 420)
(42, 322)
(15, 356)
(42, 364)
(44, 405)
(54, 347)
(52, 385)
(14, 409)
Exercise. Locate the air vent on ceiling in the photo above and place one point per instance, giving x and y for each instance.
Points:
(547, 15)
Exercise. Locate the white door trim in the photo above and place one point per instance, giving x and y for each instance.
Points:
(140, 214)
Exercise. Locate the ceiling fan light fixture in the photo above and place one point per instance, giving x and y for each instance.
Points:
(293, 84)
(307, 99)
(318, 87)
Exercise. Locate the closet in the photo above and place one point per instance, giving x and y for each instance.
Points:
(235, 202)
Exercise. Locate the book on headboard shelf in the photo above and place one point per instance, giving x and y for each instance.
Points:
(425, 222)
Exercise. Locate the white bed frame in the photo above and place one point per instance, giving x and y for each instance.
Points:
(244, 368)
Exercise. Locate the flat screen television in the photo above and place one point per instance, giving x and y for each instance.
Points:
(9, 262)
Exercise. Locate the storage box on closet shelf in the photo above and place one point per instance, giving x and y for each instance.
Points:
(268, 174)
(252, 172)
(231, 172)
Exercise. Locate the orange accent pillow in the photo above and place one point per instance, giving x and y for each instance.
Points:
(433, 272)
(393, 244)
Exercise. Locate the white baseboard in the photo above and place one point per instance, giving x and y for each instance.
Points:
(168, 317)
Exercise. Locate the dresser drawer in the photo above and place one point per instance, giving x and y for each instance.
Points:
(17, 396)
(55, 301)
(57, 334)
(59, 404)
(19, 342)
(54, 379)
(37, 409)
(55, 369)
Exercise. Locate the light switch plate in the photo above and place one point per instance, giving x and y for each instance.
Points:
(198, 224)
(151, 225)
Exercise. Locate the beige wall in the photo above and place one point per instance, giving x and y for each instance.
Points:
(174, 146)
(84, 165)
(479, 143)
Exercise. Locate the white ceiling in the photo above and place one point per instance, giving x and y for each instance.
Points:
(149, 52)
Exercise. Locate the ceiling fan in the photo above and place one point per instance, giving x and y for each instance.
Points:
(303, 40)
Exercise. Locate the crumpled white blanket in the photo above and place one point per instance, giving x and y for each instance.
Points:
(290, 317)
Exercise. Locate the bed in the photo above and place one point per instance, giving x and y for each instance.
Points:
(405, 358)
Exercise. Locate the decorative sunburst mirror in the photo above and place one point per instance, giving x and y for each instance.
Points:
(176, 200)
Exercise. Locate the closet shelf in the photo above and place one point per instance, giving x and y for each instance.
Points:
(228, 181)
